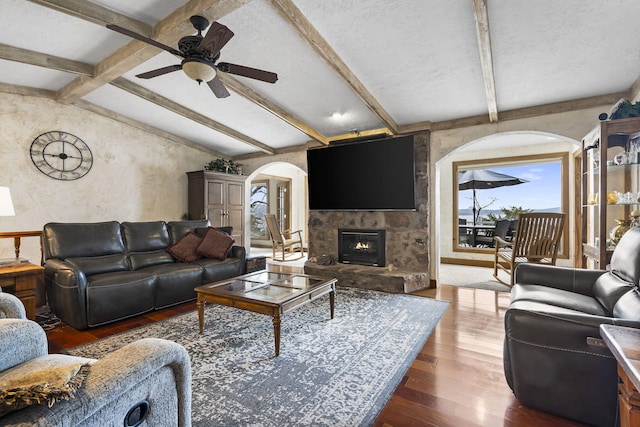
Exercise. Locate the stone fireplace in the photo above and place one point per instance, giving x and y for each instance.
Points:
(364, 247)
(406, 263)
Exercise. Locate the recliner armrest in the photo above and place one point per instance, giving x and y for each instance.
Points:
(11, 307)
(566, 278)
(20, 340)
(120, 380)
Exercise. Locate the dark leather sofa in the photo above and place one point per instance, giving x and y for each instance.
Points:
(97, 273)
(554, 358)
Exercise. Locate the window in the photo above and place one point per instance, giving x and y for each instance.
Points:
(504, 188)
(258, 206)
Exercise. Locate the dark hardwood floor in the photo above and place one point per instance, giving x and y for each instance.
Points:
(456, 379)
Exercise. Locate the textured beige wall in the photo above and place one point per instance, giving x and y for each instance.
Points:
(135, 176)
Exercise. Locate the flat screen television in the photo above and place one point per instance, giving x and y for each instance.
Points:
(368, 176)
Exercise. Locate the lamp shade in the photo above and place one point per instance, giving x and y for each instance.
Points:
(198, 70)
(6, 205)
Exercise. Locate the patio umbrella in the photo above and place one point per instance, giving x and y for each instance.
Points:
(483, 179)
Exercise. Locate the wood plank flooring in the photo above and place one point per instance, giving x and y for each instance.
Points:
(456, 380)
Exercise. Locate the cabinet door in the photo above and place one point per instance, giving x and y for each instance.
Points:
(216, 203)
(235, 210)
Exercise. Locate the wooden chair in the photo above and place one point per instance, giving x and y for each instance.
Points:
(283, 240)
(537, 240)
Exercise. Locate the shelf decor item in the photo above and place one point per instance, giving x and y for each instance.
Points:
(224, 165)
(618, 230)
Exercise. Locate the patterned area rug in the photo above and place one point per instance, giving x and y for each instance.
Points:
(336, 372)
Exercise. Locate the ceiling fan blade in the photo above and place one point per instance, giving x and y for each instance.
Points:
(142, 38)
(217, 36)
(160, 71)
(253, 73)
(217, 87)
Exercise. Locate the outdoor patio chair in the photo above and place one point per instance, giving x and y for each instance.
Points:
(464, 233)
(283, 241)
(501, 230)
(537, 240)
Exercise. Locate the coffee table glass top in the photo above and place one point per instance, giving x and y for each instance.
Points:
(270, 286)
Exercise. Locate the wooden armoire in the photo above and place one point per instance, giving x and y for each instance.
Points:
(218, 197)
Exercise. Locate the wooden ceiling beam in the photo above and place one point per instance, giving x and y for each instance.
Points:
(282, 114)
(97, 14)
(536, 111)
(481, 17)
(172, 106)
(312, 37)
(25, 56)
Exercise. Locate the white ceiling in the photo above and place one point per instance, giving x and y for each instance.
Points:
(395, 65)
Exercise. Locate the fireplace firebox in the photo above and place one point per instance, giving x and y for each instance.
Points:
(365, 247)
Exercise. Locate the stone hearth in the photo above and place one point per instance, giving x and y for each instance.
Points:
(374, 278)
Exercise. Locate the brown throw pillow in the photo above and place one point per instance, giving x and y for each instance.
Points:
(185, 249)
(215, 244)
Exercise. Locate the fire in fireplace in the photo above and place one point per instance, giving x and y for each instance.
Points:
(365, 247)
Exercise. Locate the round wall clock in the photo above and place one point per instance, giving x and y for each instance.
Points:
(61, 155)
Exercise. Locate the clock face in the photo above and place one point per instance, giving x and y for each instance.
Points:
(61, 155)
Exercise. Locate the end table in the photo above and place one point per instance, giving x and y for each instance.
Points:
(22, 280)
(624, 343)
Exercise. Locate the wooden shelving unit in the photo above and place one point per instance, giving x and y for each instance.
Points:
(606, 179)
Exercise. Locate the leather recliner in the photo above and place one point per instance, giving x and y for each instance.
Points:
(554, 357)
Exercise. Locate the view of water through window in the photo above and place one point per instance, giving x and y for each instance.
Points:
(541, 193)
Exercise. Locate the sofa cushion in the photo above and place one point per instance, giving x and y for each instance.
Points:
(177, 229)
(625, 261)
(70, 240)
(115, 296)
(215, 270)
(175, 282)
(140, 260)
(201, 231)
(145, 236)
(608, 289)
(100, 264)
(215, 244)
(185, 249)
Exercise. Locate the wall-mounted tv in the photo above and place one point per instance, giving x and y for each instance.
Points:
(369, 176)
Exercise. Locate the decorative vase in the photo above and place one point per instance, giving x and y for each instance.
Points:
(619, 229)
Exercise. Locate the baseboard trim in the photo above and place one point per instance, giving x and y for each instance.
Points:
(470, 262)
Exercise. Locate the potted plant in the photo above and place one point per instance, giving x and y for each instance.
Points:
(224, 165)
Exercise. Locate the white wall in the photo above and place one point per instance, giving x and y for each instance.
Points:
(135, 176)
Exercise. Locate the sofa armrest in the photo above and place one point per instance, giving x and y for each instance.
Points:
(569, 279)
(150, 369)
(66, 292)
(238, 252)
(20, 340)
(11, 307)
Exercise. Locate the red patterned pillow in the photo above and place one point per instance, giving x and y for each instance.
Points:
(215, 244)
(185, 249)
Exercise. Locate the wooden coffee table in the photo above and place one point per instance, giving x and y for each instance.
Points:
(267, 293)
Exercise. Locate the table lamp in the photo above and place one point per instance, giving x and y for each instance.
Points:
(6, 205)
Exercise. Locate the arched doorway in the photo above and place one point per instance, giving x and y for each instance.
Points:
(493, 149)
(279, 188)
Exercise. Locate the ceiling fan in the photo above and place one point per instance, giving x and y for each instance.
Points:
(200, 54)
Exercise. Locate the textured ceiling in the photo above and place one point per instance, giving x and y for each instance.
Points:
(345, 67)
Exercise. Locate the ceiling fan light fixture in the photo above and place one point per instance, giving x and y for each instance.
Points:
(198, 70)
